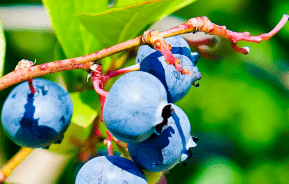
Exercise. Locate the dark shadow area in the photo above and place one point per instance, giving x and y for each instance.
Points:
(126, 165)
(166, 113)
(152, 65)
(149, 153)
(30, 134)
(179, 127)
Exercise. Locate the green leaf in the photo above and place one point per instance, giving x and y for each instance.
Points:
(2, 49)
(75, 40)
(220, 166)
(152, 177)
(86, 106)
(3, 157)
(122, 3)
(73, 37)
(172, 7)
(127, 22)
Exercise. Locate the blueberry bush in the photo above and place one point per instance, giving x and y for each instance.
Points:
(142, 92)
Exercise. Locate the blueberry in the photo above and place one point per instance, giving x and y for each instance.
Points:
(162, 152)
(177, 85)
(100, 152)
(134, 106)
(110, 170)
(36, 120)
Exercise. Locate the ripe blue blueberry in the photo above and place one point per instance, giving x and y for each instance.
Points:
(110, 170)
(162, 152)
(100, 152)
(134, 106)
(36, 120)
(177, 85)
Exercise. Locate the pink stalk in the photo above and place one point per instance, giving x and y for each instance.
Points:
(109, 143)
(32, 88)
(123, 71)
(84, 62)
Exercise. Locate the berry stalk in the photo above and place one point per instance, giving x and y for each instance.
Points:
(157, 40)
(98, 80)
(109, 143)
(24, 63)
(31, 87)
(204, 24)
(118, 63)
(123, 150)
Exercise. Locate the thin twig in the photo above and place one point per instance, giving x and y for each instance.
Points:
(84, 62)
(31, 86)
(109, 143)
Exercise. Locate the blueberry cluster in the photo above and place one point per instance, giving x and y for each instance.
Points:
(37, 119)
(139, 110)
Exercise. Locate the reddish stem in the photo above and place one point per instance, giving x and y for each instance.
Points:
(157, 40)
(98, 85)
(99, 80)
(123, 71)
(205, 25)
(120, 143)
(109, 143)
(84, 62)
(95, 129)
(245, 36)
(162, 180)
(118, 63)
(32, 88)
(243, 50)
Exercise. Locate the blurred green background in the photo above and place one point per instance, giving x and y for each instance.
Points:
(240, 112)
